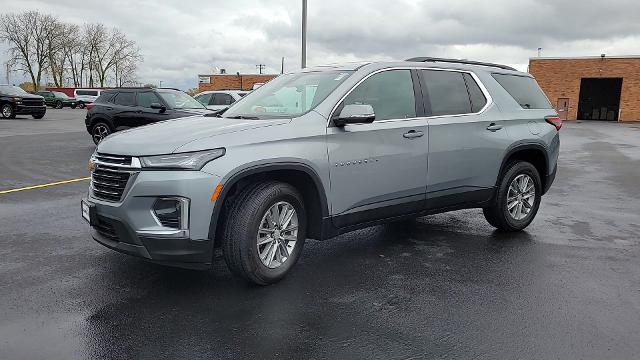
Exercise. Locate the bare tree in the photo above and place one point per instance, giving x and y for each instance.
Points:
(112, 49)
(28, 34)
(87, 55)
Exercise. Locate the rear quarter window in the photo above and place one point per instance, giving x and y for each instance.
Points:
(524, 90)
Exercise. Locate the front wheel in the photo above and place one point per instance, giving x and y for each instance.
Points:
(517, 198)
(81, 105)
(264, 232)
(58, 105)
(8, 112)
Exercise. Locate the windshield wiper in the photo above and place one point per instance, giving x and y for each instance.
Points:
(243, 117)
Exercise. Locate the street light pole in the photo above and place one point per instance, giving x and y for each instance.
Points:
(304, 34)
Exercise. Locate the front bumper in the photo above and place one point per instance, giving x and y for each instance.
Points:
(30, 110)
(130, 227)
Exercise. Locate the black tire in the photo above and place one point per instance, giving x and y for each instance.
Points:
(58, 104)
(7, 111)
(239, 239)
(73, 106)
(81, 105)
(98, 131)
(39, 116)
(498, 214)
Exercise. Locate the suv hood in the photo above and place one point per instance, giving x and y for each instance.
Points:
(28, 96)
(167, 136)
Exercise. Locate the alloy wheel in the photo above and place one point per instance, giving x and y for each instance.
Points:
(277, 234)
(100, 132)
(6, 111)
(521, 196)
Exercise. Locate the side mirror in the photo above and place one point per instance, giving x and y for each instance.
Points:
(158, 106)
(355, 114)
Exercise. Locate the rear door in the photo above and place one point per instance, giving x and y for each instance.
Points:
(467, 138)
(124, 109)
(378, 170)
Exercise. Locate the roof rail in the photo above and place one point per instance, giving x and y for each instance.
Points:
(459, 61)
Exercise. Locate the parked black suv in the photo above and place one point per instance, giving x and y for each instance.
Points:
(15, 101)
(123, 108)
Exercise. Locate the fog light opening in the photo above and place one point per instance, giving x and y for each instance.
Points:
(172, 212)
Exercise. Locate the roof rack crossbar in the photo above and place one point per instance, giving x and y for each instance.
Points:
(459, 61)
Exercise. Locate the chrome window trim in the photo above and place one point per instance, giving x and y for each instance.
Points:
(475, 77)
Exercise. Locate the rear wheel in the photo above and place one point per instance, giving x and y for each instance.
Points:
(58, 104)
(7, 111)
(81, 105)
(99, 131)
(517, 198)
(264, 232)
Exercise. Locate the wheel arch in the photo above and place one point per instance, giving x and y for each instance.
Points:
(304, 178)
(534, 153)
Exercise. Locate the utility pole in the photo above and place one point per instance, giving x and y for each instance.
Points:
(261, 67)
(282, 66)
(539, 51)
(304, 34)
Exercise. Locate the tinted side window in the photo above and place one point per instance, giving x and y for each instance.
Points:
(145, 99)
(105, 97)
(390, 93)
(478, 101)
(447, 92)
(524, 90)
(204, 99)
(222, 99)
(125, 99)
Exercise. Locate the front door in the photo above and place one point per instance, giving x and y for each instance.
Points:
(147, 115)
(379, 170)
(563, 108)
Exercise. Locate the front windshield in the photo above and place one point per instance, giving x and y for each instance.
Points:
(288, 95)
(180, 100)
(61, 95)
(12, 90)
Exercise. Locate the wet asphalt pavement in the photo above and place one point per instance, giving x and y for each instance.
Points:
(446, 286)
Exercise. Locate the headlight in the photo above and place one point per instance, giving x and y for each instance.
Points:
(185, 161)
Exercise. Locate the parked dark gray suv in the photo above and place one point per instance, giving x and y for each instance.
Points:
(124, 108)
(323, 151)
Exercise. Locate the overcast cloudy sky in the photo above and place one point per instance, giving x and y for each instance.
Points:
(180, 39)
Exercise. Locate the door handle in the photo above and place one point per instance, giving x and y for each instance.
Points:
(109, 108)
(412, 134)
(494, 127)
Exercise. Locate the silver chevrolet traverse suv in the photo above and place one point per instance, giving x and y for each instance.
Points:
(322, 151)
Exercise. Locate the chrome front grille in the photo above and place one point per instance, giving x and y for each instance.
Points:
(110, 176)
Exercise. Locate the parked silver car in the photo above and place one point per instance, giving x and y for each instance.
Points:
(323, 151)
(219, 99)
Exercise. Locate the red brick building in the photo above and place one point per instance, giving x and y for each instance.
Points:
(591, 88)
(231, 81)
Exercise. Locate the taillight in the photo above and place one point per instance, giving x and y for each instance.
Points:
(90, 106)
(555, 121)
